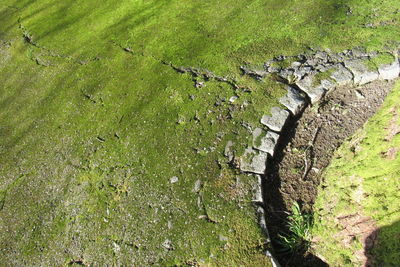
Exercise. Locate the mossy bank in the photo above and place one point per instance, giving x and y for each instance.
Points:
(110, 156)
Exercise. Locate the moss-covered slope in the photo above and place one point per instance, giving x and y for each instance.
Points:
(94, 124)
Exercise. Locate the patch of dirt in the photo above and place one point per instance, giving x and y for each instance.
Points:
(391, 154)
(394, 127)
(306, 149)
(358, 227)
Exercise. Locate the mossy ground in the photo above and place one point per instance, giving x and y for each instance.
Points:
(93, 125)
(363, 179)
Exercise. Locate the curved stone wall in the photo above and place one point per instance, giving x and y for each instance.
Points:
(308, 79)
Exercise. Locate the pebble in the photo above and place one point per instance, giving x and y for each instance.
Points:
(174, 179)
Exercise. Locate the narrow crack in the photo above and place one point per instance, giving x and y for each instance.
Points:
(29, 39)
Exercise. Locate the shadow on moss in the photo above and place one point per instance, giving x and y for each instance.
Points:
(383, 246)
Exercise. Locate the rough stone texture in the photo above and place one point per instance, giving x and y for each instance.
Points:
(293, 100)
(228, 152)
(253, 161)
(342, 75)
(265, 140)
(258, 189)
(277, 119)
(314, 92)
(389, 71)
(362, 74)
(261, 220)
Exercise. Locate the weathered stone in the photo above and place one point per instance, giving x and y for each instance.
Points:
(286, 73)
(174, 179)
(328, 84)
(293, 100)
(314, 92)
(389, 71)
(261, 220)
(257, 73)
(277, 119)
(257, 190)
(342, 75)
(322, 55)
(302, 71)
(253, 161)
(228, 152)
(265, 140)
(362, 74)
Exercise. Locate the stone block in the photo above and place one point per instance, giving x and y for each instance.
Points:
(265, 140)
(253, 161)
(277, 120)
(362, 74)
(293, 100)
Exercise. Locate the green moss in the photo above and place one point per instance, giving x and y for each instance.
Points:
(88, 107)
(320, 76)
(383, 59)
(371, 65)
(362, 179)
(284, 64)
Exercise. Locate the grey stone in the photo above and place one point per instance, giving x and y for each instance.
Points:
(233, 99)
(277, 119)
(258, 190)
(167, 244)
(328, 84)
(362, 74)
(253, 161)
(228, 152)
(314, 92)
(293, 100)
(322, 68)
(342, 75)
(257, 73)
(265, 140)
(322, 55)
(286, 73)
(302, 71)
(389, 71)
(174, 179)
(197, 186)
(261, 220)
(295, 64)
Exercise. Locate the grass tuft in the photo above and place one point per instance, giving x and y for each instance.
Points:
(299, 226)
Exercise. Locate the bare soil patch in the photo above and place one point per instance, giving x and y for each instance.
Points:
(358, 227)
(306, 149)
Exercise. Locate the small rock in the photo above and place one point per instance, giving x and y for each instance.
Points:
(359, 95)
(197, 186)
(223, 238)
(258, 190)
(174, 179)
(277, 119)
(228, 152)
(261, 219)
(233, 99)
(199, 85)
(167, 244)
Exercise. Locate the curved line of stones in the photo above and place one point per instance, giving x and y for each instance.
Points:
(351, 67)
